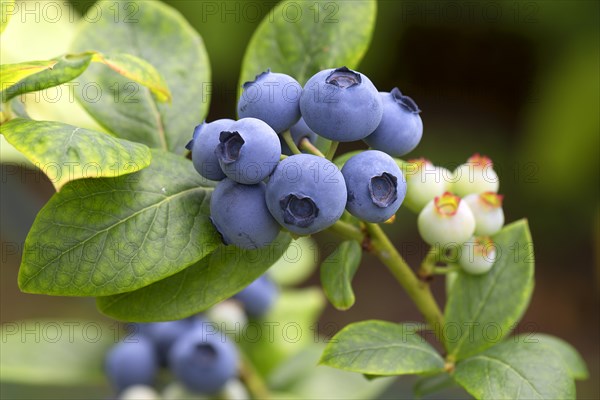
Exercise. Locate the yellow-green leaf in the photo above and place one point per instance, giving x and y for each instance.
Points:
(65, 152)
(137, 70)
(7, 9)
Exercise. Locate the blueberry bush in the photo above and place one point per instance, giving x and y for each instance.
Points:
(184, 228)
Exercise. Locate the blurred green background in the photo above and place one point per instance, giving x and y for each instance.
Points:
(517, 81)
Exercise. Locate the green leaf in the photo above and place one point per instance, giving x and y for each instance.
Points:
(7, 8)
(337, 272)
(66, 153)
(301, 379)
(301, 38)
(482, 309)
(432, 384)
(381, 348)
(515, 371)
(218, 277)
(297, 264)
(159, 35)
(51, 352)
(99, 237)
(38, 75)
(137, 70)
(570, 357)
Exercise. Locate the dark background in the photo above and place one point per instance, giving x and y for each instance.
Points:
(517, 81)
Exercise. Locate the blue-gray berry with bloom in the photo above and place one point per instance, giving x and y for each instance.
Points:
(306, 194)
(203, 360)
(164, 334)
(375, 184)
(132, 362)
(240, 214)
(272, 97)
(248, 151)
(203, 146)
(401, 127)
(341, 104)
(258, 297)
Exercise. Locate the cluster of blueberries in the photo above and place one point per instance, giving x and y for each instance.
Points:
(199, 356)
(304, 193)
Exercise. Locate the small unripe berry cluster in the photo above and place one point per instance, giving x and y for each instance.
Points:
(200, 357)
(260, 190)
(460, 208)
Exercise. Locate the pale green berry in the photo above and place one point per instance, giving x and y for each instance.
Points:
(477, 175)
(235, 390)
(176, 391)
(487, 209)
(424, 182)
(446, 220)
(228, 315)
(139, 392)
(477, 255)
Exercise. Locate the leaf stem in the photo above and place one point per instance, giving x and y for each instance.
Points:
(379, 244)
(347, 230)
(332, 149)
(305, 144)
(252, 380)
(287, 137)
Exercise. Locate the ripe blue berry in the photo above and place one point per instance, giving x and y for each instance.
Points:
(446, 220)
(164, 334)
(131, 363)
(477, 175)
(241, 216)
(248, 151)
(258, 297)
(203, 146)
(376, 187)
(401, 127)
(273, 98)
(203, 360)
(477, 255)
(488, 213)
(341, 104)
(306, 194)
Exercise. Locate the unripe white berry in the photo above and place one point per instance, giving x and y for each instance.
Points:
(139, 392)
(228, 315)
(235, 390)
(446, 220)
(477, 255)
(424, 182)
(477, 175)
(488, 213)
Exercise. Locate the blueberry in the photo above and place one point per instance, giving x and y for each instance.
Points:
(273, 98)
(132, 362)
(306, 194)
(248, 151)
(446, 220)
(488, 213)
(241, 216)
(375, 184)
(299, 131)
(477, 255)
(341, 104)
(203, 145)
(258, 297)
(477, 175)
(401, 127)
(164, 334)
(203, 360)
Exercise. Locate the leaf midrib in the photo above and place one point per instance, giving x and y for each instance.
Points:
(80, 243)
